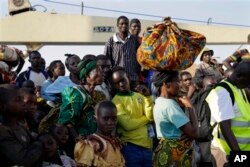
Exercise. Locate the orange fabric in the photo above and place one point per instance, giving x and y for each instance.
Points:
(166, 47)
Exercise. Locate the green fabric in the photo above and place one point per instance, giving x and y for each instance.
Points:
(85, 67)
(77, 110)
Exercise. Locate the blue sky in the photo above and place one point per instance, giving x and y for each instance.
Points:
(221, 11)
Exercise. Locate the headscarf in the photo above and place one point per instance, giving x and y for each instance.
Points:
(85, 66)
(163, 76)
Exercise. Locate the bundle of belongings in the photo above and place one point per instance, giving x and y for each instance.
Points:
(167, 47)
(9, 58)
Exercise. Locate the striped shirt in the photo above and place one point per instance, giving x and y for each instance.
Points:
(123, 53)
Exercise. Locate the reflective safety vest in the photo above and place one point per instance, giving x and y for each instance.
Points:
(240, 125)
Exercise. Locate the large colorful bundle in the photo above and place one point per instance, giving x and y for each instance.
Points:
(167, 47)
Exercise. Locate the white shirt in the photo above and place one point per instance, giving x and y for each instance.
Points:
(104, 89)
(37, 78)
(221, 108)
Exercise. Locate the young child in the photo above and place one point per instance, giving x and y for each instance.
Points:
(31, 108)
(51, 156)
(16, 143)
(101, 149)
(65, 143)
(135, 115)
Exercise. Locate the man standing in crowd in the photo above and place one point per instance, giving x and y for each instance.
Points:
(231, 114)
(34, 73)
(121, 49)
(208, 65)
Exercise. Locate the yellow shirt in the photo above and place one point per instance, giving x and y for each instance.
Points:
(135, 112)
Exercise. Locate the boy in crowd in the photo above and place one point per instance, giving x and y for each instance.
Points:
(17, 147)
(134, 118)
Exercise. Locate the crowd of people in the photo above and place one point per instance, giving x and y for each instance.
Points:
(109, 112)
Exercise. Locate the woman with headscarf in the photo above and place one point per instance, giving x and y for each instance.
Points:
(174, 129)
(77, 109)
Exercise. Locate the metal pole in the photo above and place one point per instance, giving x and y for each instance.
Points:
(82, 8)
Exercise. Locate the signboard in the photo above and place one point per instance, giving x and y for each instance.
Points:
(104, 29)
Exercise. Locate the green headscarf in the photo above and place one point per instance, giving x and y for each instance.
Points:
(85, 67)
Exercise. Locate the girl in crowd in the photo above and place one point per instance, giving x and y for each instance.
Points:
(174, 129)
(101, 149)
(51, 156)
(56, 69)
(63, 81)
(61, 134)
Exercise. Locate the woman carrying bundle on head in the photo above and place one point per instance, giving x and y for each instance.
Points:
(174, 129)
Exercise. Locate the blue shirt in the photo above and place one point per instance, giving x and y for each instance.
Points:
(59, 84)
(45, 95)
(168, 117)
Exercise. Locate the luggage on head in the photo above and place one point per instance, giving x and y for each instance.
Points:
(167, 47)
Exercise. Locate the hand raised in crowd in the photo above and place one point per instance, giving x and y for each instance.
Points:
(184, 101)
(142, 89)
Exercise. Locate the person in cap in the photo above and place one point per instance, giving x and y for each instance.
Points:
(208, 65)
(77, 109)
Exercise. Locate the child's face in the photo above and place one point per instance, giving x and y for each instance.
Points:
(106, 120)
(31, 103)
(59, 70)
(61, 134)
(49, 145)
(72, 64)
(16, 106)
(121, 81)
(186, 80)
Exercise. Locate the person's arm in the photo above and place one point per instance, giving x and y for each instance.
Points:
(125, 121)
(108, 50)
(72, 104)
(20, 79)
(190, 129)
(191, 90)
(147, 101)
(225, 127)
(148, 107)
(20, 65)
(14, 151)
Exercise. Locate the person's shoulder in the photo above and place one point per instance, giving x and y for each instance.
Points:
(98, 143)
(111, 39)
(218, 93)
(164, 100)
(5, 132)
(4, 128)
(22, 74)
